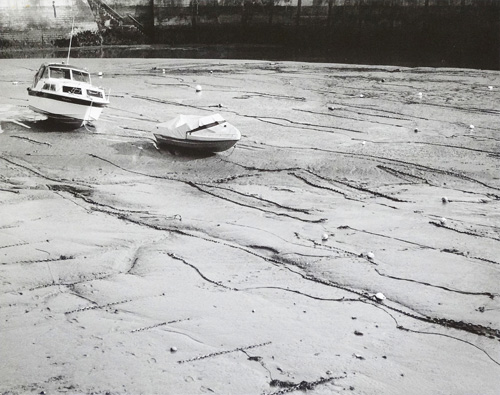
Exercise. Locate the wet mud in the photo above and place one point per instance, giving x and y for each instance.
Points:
(350, 242)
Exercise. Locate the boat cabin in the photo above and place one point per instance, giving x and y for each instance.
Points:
(62, 71)
(60, 77)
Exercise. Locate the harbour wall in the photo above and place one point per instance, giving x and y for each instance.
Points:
(453, 29)
(38, 23)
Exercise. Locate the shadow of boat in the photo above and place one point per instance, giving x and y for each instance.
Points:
(185, 152)
(52, 125)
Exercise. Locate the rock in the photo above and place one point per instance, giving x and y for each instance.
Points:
(380, 297)
(198, 88)
(416, 130)
(442, 221)
(361, 95)
(173, 349)
(358, 333)
(324, 237)
(490, 87)
(444, 199)
(471, 126)
(370, 255)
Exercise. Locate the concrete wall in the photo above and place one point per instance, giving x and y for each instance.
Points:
(455, 28)
(39, 22)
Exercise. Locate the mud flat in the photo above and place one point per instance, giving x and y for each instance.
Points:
(131, 269)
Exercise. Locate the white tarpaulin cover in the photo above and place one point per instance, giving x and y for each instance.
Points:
(195, 127)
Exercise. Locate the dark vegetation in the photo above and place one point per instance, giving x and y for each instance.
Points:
(125, 36)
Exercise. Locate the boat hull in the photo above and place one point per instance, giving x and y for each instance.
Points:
(195, 145)
(64, 109)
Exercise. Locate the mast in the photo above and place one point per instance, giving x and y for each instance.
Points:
(70, 38)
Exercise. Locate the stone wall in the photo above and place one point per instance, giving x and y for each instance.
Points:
(454, 29)
(40, 22)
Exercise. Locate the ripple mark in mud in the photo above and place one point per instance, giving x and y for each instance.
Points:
(198, 186)
(218, 283)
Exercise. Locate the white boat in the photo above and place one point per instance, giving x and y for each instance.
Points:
(210, 133)
(65, 94)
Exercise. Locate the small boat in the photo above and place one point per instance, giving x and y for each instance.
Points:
(64, 93)
(210, 133)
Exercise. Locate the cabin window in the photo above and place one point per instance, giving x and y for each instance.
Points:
(94, 93)
(72, 89)
(81, 76)
(49, 87)
(39, 74)
(59, 73)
